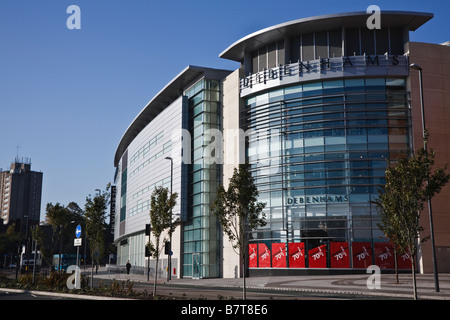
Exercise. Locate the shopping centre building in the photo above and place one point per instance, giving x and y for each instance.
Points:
(317, 107)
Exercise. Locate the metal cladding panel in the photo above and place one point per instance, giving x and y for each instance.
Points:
(148, 166)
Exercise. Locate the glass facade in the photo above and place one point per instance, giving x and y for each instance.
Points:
(133, 250)
(318, 153)
(200, 231)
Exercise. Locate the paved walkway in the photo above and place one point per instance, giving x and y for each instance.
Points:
(331, 284)
(339, 284)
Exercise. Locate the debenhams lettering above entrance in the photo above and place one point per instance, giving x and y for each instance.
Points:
(322, 69)
(317, 199)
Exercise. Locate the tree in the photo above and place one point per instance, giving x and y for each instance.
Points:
(75, 212)
(95, 216)
(9, 241)
(239, 212)
(161, 205)
(59, 218)
(410, 182)
(389, 226)
(39, 236)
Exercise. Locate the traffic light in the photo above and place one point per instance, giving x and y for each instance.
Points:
(167, 247)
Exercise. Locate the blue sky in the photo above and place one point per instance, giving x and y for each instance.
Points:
(67, 96)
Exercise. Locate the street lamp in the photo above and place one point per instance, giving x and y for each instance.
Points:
(433, 250)
(169, 260)
(26, 246)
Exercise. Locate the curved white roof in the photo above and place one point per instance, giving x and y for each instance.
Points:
(412, 20)
(163, 99)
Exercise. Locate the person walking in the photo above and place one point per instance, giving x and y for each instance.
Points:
(128, 265)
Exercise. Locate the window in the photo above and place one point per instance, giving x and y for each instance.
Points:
(382, 40)
(262, 64)
(352, 41)
(396, 41)
(280, 53)
(295, 49)
(367, 41)
(255, 61)
(272, 55)
(307, 47)
(335, 43)
(321, 44)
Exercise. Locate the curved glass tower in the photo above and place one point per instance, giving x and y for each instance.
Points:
(325, 107)
(318, 153)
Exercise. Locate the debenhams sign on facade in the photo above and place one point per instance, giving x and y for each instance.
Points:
(365, 65)
(316, 199)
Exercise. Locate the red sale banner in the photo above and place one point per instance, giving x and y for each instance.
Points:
(264, 256)
(362, 254)
(317, 257)
(340, 256)
(278, 255)
(296, 255)
(404, 260)
(384, 255)
(252, 255)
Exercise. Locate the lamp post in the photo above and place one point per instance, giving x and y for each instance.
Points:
(169, 260)
(430, 214)
(26, 247)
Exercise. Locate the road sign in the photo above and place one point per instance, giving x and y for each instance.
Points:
(78, 231)
(77, 242)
